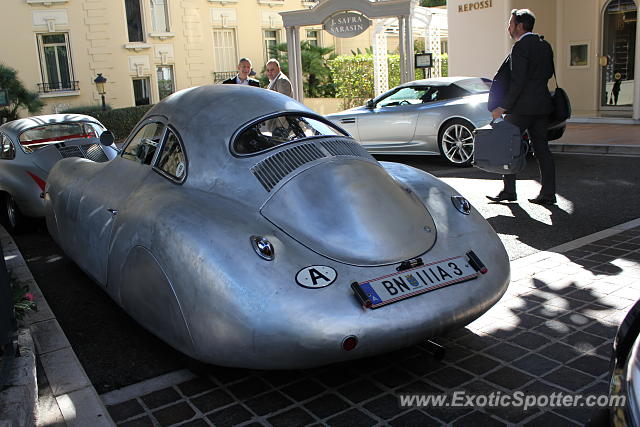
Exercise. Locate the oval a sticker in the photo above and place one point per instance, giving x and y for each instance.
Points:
(316, 276)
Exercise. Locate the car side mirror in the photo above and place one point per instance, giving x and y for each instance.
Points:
(370, 104)
(107, 138)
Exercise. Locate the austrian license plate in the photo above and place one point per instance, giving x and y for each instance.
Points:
(408, 283)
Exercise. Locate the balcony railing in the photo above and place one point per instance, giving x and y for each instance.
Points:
(220, 76)
(58, 86)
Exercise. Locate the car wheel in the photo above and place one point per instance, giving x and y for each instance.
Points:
(11, 217)
(456, 142)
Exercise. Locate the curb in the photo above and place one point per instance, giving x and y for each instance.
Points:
(74, 399)
(18, 401)
(601, 149)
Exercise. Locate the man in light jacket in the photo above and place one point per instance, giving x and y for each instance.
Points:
(278, 82)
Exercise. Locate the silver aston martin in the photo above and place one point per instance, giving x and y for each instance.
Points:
(434, 116)
(30, 147)
(244, 229)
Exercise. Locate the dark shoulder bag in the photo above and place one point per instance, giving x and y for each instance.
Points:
(561, 104)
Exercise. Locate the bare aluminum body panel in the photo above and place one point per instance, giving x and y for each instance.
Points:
(14, 172)
(179, 259)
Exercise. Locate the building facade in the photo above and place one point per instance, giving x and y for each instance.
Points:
(594, 44)
(146, 49)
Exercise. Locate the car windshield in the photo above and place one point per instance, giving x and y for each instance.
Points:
(475, 85)
(39, 137)
(279, 130)
(405, 96)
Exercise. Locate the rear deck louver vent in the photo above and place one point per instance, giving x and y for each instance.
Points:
(94, 152)
(90, 151)
(70, 151)
(341, 147)
(271, 170)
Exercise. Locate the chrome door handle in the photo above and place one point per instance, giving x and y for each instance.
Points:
(348, 120)
(114, 212)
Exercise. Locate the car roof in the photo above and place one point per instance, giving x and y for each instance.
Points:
(438, 81)
(208, 117)
(15, 127)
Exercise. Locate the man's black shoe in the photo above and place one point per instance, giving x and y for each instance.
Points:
(502, 196)
(541, 200)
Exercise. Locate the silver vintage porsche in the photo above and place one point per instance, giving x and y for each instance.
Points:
(245, 230)
(433, 116)
(30, 146)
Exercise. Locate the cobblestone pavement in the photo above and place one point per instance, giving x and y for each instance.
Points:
(551, 332)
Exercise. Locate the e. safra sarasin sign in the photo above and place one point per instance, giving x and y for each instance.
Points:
(346, 24)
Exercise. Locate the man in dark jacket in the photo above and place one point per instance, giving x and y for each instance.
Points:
(521, 94)
(242, 78)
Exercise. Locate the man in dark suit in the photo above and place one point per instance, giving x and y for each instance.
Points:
(521, 94)
(242, 78)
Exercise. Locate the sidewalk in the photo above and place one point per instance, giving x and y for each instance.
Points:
(599, 138)
(65, 396)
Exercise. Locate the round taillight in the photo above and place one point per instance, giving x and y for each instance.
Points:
(263, 247)
(349, 343)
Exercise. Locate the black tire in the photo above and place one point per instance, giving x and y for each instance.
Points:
(10, 215)
(455, 141)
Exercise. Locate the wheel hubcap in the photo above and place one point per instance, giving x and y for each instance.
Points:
(457, 144)
(11, 211)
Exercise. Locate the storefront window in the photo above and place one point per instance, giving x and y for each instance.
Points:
(618, 53)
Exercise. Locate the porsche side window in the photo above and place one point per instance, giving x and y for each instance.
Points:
(144, 144)
(171, 159)
(404, 96)
(8, 150)
(279, 130)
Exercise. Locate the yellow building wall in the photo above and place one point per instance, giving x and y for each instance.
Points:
(477, 42)
(98, 43)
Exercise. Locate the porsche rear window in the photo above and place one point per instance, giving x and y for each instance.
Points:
(279, 130)
(38, 137)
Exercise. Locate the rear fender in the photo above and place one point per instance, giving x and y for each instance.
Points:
(149, 297)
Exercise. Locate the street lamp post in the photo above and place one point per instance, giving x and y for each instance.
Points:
(100, 81)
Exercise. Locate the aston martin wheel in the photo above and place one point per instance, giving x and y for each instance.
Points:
(456, 142)
(10, 216)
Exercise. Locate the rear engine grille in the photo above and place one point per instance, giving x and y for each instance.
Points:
(70, 151)
(271, 170)
(341, 147)
(90, 151)
(94, 152)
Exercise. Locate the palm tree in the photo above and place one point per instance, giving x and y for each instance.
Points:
(18, 96)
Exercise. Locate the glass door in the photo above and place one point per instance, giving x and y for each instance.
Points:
(618, 55)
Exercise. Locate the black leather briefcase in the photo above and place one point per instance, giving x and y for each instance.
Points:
(499, 148)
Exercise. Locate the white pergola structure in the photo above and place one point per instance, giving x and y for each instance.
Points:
(400, 9)
(428, 23)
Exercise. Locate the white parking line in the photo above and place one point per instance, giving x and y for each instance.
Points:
(145, 387)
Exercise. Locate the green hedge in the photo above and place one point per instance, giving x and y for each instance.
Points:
(444, 65)
(353, 77)
(120, 121)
